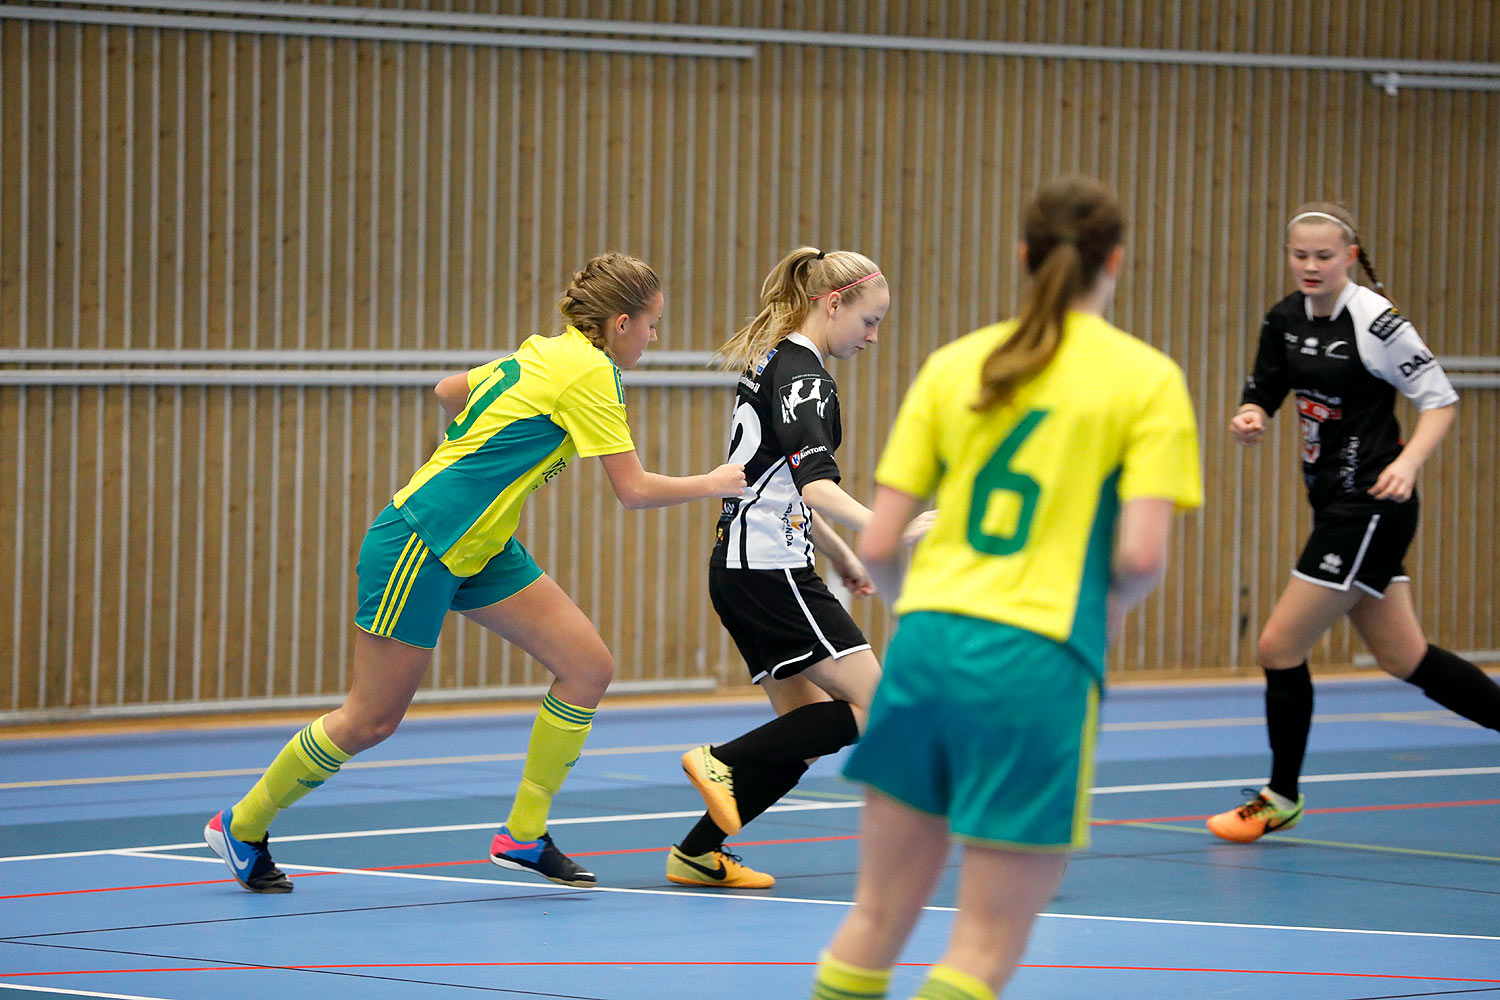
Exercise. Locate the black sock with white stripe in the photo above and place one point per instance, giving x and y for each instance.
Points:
(810, 731)
(1459, 686)
(1289, 709)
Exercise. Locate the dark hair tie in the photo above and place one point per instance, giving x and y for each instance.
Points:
(821, 255)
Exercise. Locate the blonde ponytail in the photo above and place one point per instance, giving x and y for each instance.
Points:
(786, 297)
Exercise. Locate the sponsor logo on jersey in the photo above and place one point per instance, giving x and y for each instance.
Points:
(1310, 346)
(1386, 325)
(765, 361)
(1313, 414)
(1350, 463)
(547, 474)
(1314, 410)
(1333, 350)
(811, 389)
(797, 457)
(1418, 361)
(749, 383)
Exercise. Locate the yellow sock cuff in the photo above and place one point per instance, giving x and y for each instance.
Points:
(557, 738)
(308, 759)
(841, 981)
(313, 747)
(947, 983)
(561, 715)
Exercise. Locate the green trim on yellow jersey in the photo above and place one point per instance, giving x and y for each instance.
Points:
(526, 415)
(1028, 492)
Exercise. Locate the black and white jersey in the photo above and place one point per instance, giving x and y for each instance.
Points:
(1345, 370)
(786, 428)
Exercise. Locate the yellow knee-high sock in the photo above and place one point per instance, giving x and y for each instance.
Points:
(946, 983)
(309, 759)
(842, 981)
(557, 737)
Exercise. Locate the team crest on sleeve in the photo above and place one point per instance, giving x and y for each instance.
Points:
(811, 389)
(1387, 324)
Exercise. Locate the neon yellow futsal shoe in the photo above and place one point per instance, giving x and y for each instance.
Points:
(1256, 818)
(714, 780)
(717, 869)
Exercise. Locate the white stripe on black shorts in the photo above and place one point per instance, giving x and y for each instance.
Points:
(1358, 544)
(782, 620)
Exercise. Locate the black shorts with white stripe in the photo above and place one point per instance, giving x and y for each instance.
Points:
(1359, 543)
(782, 620)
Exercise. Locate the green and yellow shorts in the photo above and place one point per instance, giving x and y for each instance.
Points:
(405, 590)
(989, 725)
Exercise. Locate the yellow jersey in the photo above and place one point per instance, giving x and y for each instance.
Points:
(1028, 491)
(527, 414)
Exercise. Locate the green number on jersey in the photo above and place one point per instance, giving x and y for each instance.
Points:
(998, 476)
(510, 374)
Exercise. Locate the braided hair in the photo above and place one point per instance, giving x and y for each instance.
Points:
(1332, 211)
(612, 284)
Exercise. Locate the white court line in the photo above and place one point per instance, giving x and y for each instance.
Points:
(1312, 779)
(77, 993)
(681, 894)
(353, 765)
(1434, 717)
(782, 807)
(493, 824)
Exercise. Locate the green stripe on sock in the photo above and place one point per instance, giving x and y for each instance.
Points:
(567, 713)
(947, 983)
(941, 991)
(319, 756)
(822, 991)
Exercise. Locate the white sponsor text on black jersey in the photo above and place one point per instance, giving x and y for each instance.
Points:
(1344, 370)
(785, 430)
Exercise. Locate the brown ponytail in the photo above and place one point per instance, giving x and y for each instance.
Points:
(1070, 227)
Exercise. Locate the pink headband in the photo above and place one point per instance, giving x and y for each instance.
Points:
(851, 284)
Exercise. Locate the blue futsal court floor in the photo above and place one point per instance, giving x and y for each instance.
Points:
(1389, 888)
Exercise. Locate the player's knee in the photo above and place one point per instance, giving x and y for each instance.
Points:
(380, 728)
(595, 672)
(1275, 653)
(358, 733)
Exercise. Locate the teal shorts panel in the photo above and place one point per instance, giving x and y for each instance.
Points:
(405, 590)
(986, 724)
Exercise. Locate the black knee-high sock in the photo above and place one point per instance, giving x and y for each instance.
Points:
(814, 730)
(756, 789)
(1459, 686)
(1289, 709)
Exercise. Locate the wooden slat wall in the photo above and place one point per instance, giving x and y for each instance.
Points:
(168, 189)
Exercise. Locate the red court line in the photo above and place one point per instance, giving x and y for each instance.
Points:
(738, 843)
(159, 885)
(750, 843)
(918, 965)
(1313, 812)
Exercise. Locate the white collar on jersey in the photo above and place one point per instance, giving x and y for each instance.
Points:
(1351, 289)
(797, 337)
